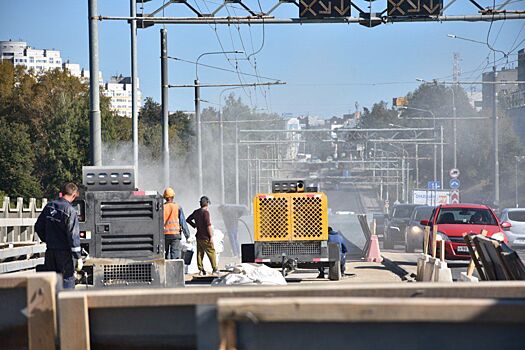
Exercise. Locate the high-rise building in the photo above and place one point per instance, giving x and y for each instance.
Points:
(118, 89)
(504, 75)
(20, 54)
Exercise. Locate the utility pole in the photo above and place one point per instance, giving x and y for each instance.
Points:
(456, 75)
(134, 87)
(442, 141)
(517, 198)
(95, 142)
(403, 182)
(495, 136)
(199, 133)
(165, 112)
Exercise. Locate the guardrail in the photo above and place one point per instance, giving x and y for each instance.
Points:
(16, 223)
(20, 256)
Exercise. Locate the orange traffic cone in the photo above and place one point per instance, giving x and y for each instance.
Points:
(374, 255)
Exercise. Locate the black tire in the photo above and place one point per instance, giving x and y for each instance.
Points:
(388, 243)
(334, 271)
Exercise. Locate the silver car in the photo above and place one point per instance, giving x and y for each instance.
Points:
(516, 233)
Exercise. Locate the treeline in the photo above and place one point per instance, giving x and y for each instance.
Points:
(475, 157)
(44, 130)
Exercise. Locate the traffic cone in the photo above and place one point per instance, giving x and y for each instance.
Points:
(374, 255)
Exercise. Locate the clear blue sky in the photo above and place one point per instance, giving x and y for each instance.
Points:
(327, 66)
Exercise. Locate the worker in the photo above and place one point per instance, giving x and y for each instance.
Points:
(336, 237)
(57, 226)
(200, 220)
(174, 224)
(231, 215)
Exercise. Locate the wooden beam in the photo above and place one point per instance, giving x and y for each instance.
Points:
(41, 310)
(74, 321)
(371, 310)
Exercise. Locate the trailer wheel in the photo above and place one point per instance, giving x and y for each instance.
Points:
(334, 271)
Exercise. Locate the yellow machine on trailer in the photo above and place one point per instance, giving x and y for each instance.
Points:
(291, 230)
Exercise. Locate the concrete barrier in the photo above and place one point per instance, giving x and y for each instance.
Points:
(176, 318)
(28, 311)
(370, 323)
(16, 222)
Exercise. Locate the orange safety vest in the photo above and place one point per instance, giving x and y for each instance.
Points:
(171, 219)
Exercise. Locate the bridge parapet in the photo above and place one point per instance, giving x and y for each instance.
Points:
(16, 223)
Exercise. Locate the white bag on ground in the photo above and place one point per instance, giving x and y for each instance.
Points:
(251, 274)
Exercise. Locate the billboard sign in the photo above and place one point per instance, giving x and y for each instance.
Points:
(428, 197)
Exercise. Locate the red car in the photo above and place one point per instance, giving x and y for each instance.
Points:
(455, 220)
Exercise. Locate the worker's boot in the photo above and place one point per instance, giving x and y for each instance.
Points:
(202, 273)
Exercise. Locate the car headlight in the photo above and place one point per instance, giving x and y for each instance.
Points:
(500, 236)
(415, 230)
(442, 237)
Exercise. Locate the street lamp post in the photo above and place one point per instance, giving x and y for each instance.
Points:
(518, 160)
(221, 133)
(198, 113)
(495, 132)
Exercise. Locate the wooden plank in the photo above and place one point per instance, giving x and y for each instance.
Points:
(371, 310)
(7, 281)
(128, 298)
(228, 336)
(41, 310)
(73, 321)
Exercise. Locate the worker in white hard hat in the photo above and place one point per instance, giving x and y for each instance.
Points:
(174, 225)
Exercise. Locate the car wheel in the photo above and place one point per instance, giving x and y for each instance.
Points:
(388, 243)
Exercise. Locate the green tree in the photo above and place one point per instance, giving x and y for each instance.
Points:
(17, 160)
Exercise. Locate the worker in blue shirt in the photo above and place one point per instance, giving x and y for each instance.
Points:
(336, 237)
(57, 226)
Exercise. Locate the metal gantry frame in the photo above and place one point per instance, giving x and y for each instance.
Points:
(373, 170)
(259, 16)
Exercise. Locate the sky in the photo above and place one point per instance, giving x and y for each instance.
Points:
(328, 68)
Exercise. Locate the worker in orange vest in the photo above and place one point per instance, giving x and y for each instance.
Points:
(174, 224)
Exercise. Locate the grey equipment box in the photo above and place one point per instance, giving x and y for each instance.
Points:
(122, 224)
(122, 230)
(125, 273)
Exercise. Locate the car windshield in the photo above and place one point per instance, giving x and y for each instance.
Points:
(423, 213)
(517, 215)
(469, 216)
(402, 212)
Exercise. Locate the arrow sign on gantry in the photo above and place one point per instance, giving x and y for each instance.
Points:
(324, 8)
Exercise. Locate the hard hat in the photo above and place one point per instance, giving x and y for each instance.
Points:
(169, 193)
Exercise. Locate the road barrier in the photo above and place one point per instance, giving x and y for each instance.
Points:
(175, 318)
(370, 323)
(494, 260)
(28, 311)
(20, 256)
(429, 267)
(16, 223)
